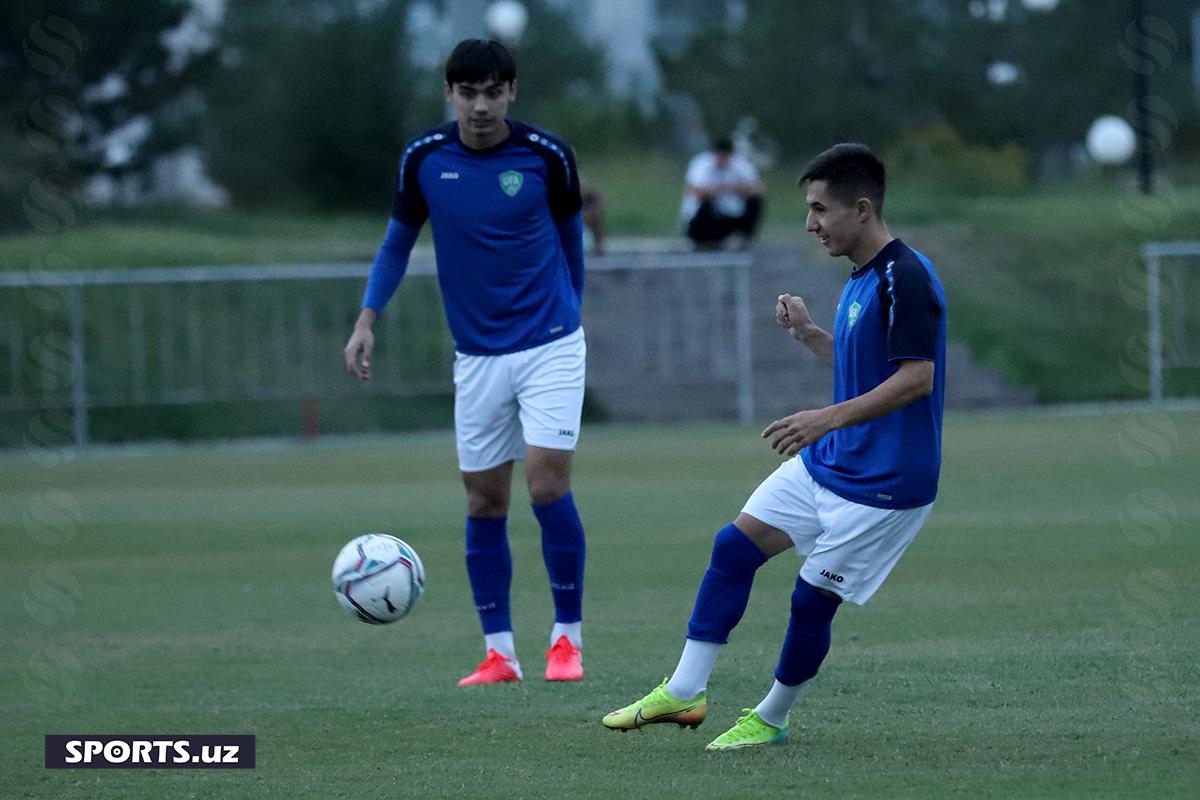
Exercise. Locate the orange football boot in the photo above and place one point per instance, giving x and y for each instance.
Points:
(564, 662)
(493, 669)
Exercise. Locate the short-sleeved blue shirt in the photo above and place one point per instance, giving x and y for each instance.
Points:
(892, 309)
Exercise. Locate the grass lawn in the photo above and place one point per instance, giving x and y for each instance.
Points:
(1038, 640)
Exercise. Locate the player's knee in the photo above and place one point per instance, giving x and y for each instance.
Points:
(726, 539)
(734, 555)
(809, 602)
(482, 503)
(545, 491)
(548, 482)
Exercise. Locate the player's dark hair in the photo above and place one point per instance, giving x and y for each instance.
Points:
(723, 145)
(480, 60)
(852, 171)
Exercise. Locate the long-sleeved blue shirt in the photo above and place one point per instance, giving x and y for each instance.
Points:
(507, 233)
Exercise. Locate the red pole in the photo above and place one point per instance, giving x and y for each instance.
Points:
(312, 418)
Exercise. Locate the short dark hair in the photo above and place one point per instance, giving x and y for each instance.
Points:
(723, 145)
(479, 60)
(852, 171)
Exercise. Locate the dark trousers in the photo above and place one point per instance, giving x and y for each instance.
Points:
(711, 227)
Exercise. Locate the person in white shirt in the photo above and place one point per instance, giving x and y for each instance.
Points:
(723, 196)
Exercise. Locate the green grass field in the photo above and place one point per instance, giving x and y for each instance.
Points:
(1038, 640)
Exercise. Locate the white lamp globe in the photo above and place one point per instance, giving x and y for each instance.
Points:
(1111, 140)
(506, 20)
(1040, 5)
(1002, 73)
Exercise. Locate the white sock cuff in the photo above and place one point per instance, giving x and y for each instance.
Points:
(774, 708)
(572, 630)
(502, 643)
(696, 664)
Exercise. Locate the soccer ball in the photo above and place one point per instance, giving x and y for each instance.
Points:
(378, 578)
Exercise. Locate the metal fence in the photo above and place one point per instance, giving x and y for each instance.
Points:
(126, 339)
(1178, 347)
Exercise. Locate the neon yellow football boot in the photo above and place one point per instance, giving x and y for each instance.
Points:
(658, 706)
(749, 731)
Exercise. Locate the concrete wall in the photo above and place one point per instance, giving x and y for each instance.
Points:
(662, 344)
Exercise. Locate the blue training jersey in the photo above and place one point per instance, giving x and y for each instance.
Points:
(507, 234)
(893, 309)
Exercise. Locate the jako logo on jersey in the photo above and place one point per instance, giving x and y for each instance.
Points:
(449, 176)
(835, 578)
(511, 182)
(565, 432)
(852, 314)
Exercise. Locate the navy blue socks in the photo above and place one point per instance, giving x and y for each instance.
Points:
(808, 634)
(489, 567)
(563, 550)
(490, 570)
(725, 588)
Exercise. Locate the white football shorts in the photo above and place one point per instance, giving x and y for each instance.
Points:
(848, 548)
(502, 403)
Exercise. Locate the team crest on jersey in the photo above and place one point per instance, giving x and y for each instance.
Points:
(511, 182)
(852, 314)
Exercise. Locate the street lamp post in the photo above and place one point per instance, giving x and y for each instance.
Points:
(1145, 156)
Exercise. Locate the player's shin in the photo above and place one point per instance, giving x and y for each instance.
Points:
(720, 603)
(489, 568)
(804, 648)
(564, 550)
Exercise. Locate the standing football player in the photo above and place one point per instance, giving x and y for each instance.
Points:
(867, 471)
(504, 201)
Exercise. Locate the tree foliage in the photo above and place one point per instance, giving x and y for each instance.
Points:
(814, 72)
(317, 99)
(74, 73)
(311, 102)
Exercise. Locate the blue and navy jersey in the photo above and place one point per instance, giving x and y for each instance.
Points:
(499, 217)
(893, 309)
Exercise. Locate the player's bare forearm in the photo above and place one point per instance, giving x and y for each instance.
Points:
(912, 381)
(818, 340)
(366, 318)
(792, 314)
